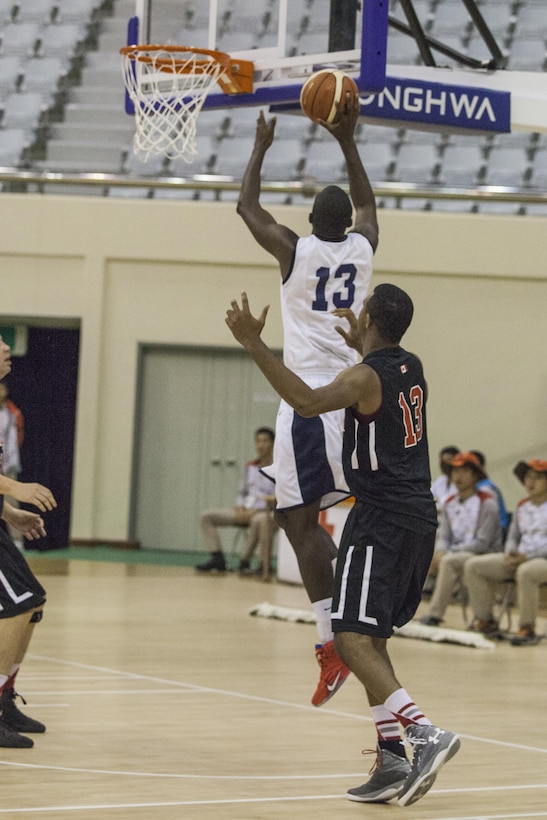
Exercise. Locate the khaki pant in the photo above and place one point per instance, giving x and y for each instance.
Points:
(451, 567)
(483, 575)
(260, 530)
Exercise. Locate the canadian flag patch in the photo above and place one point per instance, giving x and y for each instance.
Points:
(404, 368)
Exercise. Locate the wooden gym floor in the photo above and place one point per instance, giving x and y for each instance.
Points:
(165, 699)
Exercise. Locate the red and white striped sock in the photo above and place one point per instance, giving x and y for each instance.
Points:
(389, 731)
(387, 726)
(405, 710)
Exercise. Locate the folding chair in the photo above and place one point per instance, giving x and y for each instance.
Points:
(505, 602)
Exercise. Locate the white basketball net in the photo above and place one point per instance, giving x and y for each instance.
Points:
(168, 89)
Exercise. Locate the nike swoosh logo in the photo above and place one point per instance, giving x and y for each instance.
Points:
(332, 686)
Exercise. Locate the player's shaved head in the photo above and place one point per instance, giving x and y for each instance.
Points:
(332, 212)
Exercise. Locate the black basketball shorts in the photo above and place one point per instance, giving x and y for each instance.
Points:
(20, 591)
(380, 573)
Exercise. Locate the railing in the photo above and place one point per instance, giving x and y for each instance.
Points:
(307, 187)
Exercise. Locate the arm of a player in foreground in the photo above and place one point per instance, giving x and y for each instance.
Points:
(354, 386)
(276, 239)
(360, 189)
(32, 493)
(29, 524)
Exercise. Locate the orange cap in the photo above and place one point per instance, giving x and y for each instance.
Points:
(538, 465)
(468, 460)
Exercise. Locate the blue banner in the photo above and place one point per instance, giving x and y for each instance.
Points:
(437, 104)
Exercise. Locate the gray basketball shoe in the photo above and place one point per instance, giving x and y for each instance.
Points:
(433, 747)
(388, 776)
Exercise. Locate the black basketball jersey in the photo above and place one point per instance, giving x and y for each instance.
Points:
(385, 456)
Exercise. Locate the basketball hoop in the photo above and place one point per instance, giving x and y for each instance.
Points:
(168, 86)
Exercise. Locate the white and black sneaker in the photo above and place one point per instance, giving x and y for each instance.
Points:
(388, 776)
(432, 748)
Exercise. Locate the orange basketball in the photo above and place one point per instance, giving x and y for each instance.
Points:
(322, 92)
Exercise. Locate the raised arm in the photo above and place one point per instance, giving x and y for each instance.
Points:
(360, 189)
(277, 239)
(357, 386)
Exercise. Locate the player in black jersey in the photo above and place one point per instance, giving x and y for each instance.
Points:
(22, 597)
(389, 536)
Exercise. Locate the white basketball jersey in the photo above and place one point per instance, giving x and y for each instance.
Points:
(324, 276)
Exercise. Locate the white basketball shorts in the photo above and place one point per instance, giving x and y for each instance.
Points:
(307, 459)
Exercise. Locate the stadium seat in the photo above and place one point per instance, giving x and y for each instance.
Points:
(7, 9)
(60, 40)
(416, 163)
(76, 11)
(507, 166)
(531, 20)
(202, 163)
(379, 159)
(35, 11)
(232, 156)
(451, 205)
(324, 162)
(449, 17)
(401, 49)
(154, 166)
(285, 160)
(237, 40)
(44, 74)
(499, 208)
(539, 172)
(536, 209)
(528, 54)
(80, 157)
(462, 165)
(13, 143)
(23, 110)
(11, 73)
(19, 39)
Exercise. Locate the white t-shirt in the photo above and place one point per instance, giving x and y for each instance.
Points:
(528, 530)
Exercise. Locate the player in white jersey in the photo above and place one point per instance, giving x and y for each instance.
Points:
(326, 272)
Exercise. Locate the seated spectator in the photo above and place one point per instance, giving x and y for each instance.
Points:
(489, 487)
(253, 509)
(443, 487)
(524, 559)
(469, 526)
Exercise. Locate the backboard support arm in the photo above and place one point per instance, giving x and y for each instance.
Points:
(426, 44)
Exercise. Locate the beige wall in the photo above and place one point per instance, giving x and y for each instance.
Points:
(145, 271)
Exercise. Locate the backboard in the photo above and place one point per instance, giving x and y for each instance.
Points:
(286, 40)
(400, 84)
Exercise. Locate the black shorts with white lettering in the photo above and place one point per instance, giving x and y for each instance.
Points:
(20, 591)
(380, 573)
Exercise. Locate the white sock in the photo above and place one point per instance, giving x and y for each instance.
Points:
(323, 611)
(3, 679)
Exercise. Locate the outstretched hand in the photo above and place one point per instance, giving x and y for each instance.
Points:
(244, 326)
(265, 131)
(351, 336)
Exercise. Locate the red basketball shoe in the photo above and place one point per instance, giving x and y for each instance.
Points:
(333, 673)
